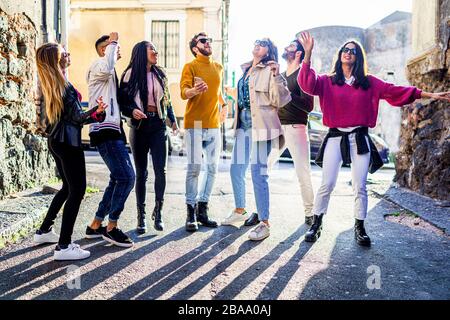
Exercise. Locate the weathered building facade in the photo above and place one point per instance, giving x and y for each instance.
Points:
(423, 163)
(168, 24)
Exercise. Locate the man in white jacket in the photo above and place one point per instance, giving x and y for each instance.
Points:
(110, 140)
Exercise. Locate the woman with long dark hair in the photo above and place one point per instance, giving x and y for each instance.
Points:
(261, 92)
(65, 118)
(144, 98)
(349, 99)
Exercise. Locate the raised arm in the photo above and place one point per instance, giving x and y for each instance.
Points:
(103, 70)
(307, 79)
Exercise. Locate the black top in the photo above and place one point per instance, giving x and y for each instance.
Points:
(296, 111)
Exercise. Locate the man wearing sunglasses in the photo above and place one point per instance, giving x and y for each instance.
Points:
(200, 84)
(294, 120)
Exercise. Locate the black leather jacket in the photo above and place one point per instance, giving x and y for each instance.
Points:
(68, 129)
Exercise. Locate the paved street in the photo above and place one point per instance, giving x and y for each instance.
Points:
(223, 264)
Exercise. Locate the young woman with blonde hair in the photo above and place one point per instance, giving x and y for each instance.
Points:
(64, 118)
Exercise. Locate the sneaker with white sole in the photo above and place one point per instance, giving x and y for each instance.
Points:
(234, 218)
(95, 233)
(259, 233)
(72, 252)
(118, 237)
(49, 237)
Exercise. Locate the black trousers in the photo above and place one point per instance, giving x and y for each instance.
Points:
(72, 169)
(150, 137)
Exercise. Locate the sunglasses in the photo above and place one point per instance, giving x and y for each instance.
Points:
(205, 40)
(262, 43)
(348, 50)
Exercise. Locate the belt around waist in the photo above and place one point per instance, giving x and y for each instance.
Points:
(151, 114)
(151, 109)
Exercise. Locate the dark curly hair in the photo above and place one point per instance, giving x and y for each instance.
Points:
(272, 54)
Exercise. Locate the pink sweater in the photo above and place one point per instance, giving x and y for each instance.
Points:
(345, 106)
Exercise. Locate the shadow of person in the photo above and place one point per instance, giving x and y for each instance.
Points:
(162, 280)
(251, 273)
(402, 263)
(23, 282)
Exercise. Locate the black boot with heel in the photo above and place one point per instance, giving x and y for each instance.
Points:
(360, 234)
(141, 225)
(157, 216)
(316, 229)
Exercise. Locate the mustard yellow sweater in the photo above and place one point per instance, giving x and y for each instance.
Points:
(204, 107)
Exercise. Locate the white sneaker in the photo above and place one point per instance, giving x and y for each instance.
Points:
(49, 237)
(235, 217)
(261, 232)
(73, 252)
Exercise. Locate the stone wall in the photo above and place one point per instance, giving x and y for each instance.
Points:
(24, 157)
(423, 163)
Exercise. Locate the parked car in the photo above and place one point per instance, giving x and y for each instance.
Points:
(317, 132)
(85, 140)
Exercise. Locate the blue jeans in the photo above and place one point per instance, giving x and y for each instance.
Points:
(121, 179)
(260, 176)
(199, 142)
(240, 158)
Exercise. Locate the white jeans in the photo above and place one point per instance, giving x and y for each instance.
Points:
(332, 162)
(297, 141)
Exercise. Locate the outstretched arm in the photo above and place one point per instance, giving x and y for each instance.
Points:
(401, 95)
(444, 96)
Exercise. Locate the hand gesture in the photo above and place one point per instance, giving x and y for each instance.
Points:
(138, 114)
(101, 105)
(113, 36)
(200, 87)
(307, 41)
(274, 67)
(175, 129)
(223, 113)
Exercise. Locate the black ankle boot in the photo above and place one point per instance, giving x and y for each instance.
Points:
(316, 229)
(156, 216)
(191, 219)
(360, 234)
(202, 215)
(141, 225)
